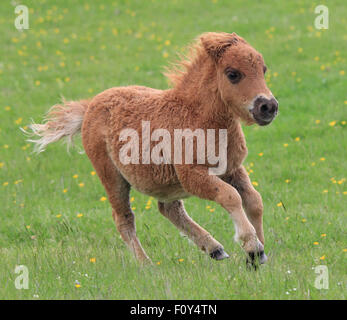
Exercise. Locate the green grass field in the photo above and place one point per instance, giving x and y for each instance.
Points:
(53, 217)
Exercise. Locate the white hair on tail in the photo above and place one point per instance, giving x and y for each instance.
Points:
(62, 121)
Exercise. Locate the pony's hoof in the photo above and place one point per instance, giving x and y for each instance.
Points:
(219, 254)
(256, 258)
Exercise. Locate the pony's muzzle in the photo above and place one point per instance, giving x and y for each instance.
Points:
(264, 110)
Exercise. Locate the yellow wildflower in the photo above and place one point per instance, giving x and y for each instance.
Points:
(332, 123)
(19, 121)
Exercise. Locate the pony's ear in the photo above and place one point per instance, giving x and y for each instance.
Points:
(216, 43)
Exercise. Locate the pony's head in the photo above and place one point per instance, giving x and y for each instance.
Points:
(240, 77)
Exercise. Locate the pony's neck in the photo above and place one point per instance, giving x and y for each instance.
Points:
(198, 89)
(198, 81)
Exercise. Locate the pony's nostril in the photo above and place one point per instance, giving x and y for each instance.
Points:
(264, 108)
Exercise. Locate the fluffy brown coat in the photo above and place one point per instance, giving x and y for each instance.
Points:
(206, 94)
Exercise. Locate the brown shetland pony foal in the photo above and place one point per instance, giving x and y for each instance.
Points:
(221, 83)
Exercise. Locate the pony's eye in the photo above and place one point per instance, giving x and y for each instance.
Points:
(233, 75)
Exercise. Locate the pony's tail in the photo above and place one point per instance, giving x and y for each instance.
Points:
(62, 120)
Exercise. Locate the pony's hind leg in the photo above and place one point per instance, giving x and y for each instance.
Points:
(118, 193)
(125, 219)
(177, 214)
(117, 189)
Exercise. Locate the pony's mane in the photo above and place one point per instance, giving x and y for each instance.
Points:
(191, 58)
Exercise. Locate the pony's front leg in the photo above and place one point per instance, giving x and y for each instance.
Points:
(177, 214)
(197, 181)
(251, 199)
